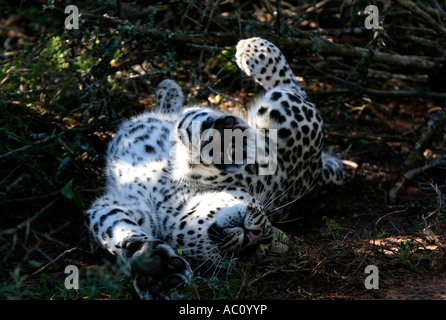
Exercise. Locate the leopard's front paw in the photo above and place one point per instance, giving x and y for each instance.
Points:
(159, 273)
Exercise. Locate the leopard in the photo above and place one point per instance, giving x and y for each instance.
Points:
(170, 210)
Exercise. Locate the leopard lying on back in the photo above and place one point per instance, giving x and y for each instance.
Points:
(159, 201)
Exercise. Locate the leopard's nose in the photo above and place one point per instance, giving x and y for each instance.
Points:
(251, 237)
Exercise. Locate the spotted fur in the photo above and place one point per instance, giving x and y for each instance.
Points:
(167, 212)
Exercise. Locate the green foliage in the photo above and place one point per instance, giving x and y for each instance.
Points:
(36, 68)
(55, 54)
(382, 233)
(335, 226)
(225, 61)
(230, 282)
(73, 194)
(110, 281)
(408, 255)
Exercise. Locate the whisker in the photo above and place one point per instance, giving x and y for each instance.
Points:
(264, 197)
(280, 195)
(205, 261)
(290, 220)
(294, 200)
(218, 258)
(220, 264)
(270, 200)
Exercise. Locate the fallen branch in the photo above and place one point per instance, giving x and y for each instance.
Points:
(432, 129)
(412, 7)
(220, 39)
(382, 93)
(411, 161)
(411, 174)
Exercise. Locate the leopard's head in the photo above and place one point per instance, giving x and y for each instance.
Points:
(214, 226)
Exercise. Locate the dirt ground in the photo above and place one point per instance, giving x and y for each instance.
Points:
(362, 208)
(375, 146)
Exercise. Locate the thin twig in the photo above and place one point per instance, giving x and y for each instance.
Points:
(266, 274)
(385, 216)
(49, 138)
(381, 93)
(25, 223)
(54, 260)
(48, 237)
(28, 199)
(242, 289)
(222, 94)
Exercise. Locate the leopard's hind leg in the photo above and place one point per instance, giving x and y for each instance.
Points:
(286, 108)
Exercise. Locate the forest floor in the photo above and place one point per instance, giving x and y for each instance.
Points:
(56, 123)
(360, 218)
